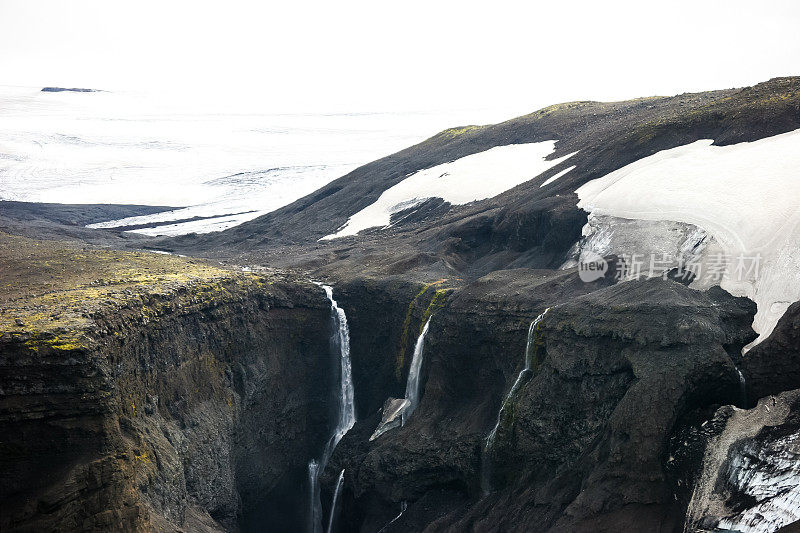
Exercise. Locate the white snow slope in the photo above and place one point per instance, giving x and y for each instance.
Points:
(747, 196)
(468, 179)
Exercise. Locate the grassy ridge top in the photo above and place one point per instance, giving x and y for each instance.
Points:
(50, 290)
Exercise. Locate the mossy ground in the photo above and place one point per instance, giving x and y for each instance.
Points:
(437, 300)
(457, 132)
(774, 101)
(50, 290)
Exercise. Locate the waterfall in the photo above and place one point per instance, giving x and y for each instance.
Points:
(339, 484)
(530, 345)
(397, 411)
(403, 507)
(412, 383)
(315, 516)
(340, 345)
(340, 342)
(530, 350)
(742, 389)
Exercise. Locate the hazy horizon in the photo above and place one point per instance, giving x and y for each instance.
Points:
(115, 148)
(359, 56)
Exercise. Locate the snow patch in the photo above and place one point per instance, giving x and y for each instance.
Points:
(747, 196)
(553, 178)
(468, 179)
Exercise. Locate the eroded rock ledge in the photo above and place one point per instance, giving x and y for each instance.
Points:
(146, 392)
(583, 442)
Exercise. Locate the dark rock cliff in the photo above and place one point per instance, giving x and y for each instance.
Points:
(773, 366)
(749, 473)
(198, 404)
(621, 366)
(193, 405)
(582, 443)
(166, 395)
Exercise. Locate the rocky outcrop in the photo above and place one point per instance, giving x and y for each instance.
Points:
(773, 366)
(70, 90)
(584, 443)
(391, 416)
(192, 404)
(750, 475)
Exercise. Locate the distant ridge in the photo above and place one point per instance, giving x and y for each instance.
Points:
(72, 90)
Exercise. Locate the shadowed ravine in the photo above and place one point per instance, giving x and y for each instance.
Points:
(153, 392)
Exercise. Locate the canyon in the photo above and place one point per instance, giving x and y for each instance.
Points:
(488, 385)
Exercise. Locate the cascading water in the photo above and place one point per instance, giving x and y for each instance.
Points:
(530, 350)
(340, 341)
(412, 384)
(397, 411)
(340, 345)
(403, 507)
(315, 513)
(742, 389)
(339, 483)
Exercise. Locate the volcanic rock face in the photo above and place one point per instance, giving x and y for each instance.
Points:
(774, 365)
(188, 404)
(141, 392)
(750, 477)
(623, 364)
(199, 405)
(584, 441)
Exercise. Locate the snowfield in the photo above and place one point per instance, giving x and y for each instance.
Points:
(209, 159)
(747, 196)
(468, 179)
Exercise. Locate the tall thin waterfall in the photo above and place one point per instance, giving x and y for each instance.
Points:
(340, 342)
(412, 383)
(403, 507)
(339, 483)
(340, 345)
(742, 389)
(315, 512)
(530, 350)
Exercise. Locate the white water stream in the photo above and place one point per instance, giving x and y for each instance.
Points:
(412, 383)
(521, 378)
(340, 345)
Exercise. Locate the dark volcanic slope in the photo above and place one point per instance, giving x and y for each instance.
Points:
(58, 221)
(75, 214)
(166, 393)
(526, 226)
(69, 90)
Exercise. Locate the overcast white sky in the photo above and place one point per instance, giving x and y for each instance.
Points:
(374, 55)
